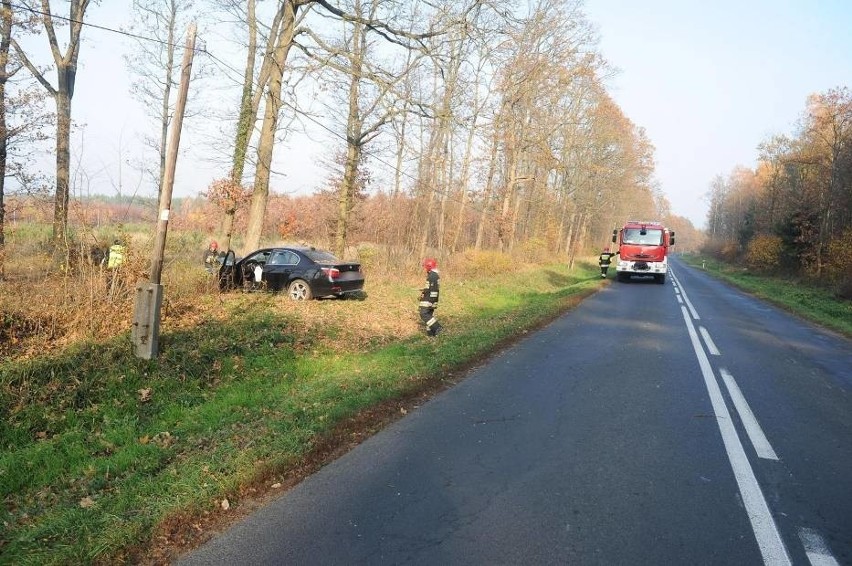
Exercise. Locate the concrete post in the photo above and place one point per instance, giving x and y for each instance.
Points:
(145, 332)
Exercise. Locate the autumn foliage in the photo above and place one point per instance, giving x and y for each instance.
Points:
(793, 212)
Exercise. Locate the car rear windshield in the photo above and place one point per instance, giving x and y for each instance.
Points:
(651, 237)
(321, 256)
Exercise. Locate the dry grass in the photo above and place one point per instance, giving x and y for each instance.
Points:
(44, 307)
(42, 311)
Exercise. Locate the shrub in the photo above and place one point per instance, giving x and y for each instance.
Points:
(838, 263)
(721, 249)
(764, 252)
(481, 262)
(535, 251)
(368, 255)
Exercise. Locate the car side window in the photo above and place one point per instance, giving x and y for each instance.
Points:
(261, 257)
(278, 258)
(290, 258)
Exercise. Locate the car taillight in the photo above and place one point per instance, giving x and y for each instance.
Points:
(332, 272)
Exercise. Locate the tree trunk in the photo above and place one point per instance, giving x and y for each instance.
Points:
(63, 157)
(260, 196)
(354, 139)
(346, 197)
(5, 41)
(245, 123)
(489, 188)
(508, 195)
(464, 181)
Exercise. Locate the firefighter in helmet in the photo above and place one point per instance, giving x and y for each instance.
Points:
(211, 257)
(605, 260)
(429, 298)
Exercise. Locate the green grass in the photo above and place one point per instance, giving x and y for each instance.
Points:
(794, 295)
(100, 448)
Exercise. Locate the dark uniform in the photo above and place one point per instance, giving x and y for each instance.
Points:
(429, 296)
(211, 258)
(605, 260)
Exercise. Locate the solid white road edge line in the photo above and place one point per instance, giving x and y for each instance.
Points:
(765, 531)
(692, 310)
(711, 346)
(816, 548)
(752, 427)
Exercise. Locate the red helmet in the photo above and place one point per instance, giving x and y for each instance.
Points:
(429, 264)
(214, 245)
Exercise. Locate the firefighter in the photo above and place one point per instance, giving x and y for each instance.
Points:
(115, 255)
(429, 298)
(211, 257)
(605, 260)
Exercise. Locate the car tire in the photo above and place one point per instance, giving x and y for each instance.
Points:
(660, 278)
(299, 290)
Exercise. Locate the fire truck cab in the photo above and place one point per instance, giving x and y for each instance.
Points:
(642, 250)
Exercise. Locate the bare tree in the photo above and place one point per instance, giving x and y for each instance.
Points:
(156, 68)
(245, 13)
(282, 38)
(369, 90)
(63, 93)
(22, 117)
(275, 60)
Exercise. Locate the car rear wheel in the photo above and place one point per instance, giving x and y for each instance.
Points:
(299, 290)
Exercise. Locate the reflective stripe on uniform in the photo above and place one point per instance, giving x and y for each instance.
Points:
(431, 321)
(426, 304)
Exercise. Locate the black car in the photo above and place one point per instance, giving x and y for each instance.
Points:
(304, 273)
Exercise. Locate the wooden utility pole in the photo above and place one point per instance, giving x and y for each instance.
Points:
(145, 333)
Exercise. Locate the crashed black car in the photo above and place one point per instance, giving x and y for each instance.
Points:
(303, 273)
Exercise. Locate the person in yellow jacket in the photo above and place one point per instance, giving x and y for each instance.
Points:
(117, 251)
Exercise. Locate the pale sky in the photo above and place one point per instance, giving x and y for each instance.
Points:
(708, 81)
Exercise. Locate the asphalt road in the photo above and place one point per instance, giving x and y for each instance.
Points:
(683, 423)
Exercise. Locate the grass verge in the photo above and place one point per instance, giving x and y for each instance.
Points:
(796, 296)
(107, 458)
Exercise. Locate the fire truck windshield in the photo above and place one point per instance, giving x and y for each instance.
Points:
(650, 237)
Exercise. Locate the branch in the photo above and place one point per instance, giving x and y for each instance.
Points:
(47, 19)
(35, 72)
(380, 27)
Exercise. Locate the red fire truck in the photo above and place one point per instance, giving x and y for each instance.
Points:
(643, 248)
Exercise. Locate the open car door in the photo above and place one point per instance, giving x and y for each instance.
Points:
(227, 276)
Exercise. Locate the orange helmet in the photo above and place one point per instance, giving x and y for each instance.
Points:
(214, 245)
(429, 264)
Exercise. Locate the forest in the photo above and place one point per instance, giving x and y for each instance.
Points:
(792, 214)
